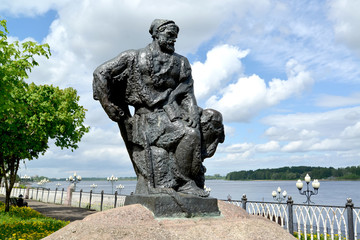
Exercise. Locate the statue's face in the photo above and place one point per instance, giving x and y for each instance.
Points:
(167, 38)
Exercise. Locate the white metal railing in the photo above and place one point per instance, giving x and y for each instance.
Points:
(309, 221)
(317, 220)
(90, 200)
(273, 211)
(356, 214)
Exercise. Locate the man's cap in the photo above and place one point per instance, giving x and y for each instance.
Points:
(157, 23)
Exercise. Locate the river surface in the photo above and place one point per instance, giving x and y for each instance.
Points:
(330, 193)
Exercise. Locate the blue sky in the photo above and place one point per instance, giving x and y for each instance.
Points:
(285, 75)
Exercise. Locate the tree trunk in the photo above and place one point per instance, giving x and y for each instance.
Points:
(7, 201)
(12, 168)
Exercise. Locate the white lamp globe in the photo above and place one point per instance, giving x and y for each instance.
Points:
(299, 184)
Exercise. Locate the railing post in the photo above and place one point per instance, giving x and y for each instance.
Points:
(48, 195)
(80, 198)
(350, 217)
(55, 195)
(243, 201)
(42, 195)
(90, 199)
(27, 193)
(290, 203)
(37, 191)
(62, 194)
(70, 191)
(102, 200)
(115, 199)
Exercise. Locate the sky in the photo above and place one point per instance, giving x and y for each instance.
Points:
(284, 74)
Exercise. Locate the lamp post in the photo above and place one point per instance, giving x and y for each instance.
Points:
(120, 187)
(43, 181)
(112, 179)
(74, 179)
(308, 193)
(25, 178)
(278, 196)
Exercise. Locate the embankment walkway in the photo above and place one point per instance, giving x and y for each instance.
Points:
(57, 211)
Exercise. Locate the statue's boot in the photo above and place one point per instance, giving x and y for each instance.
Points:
(191, 188)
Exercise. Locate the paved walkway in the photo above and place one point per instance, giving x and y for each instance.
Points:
(57, 211)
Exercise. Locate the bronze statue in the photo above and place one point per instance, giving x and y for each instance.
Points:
(169, 135)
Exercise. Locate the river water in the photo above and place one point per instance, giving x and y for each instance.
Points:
(332, 193)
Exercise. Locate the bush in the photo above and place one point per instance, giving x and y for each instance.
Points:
(26, 223)
(316, 237)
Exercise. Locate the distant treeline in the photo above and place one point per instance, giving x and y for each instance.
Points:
(293, 173)
(214, 177)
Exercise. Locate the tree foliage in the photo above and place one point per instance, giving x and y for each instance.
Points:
(293, 173)
(32, 114)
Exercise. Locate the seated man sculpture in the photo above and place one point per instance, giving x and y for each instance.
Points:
(168, 136)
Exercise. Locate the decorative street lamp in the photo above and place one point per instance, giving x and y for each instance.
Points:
(74, 179)
(93, 186)
(25, 178)
(112, 179)
(278, 196)
(120, 187)
(43, 181)
(308, 193)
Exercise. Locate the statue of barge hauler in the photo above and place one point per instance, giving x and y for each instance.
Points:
(168, 136)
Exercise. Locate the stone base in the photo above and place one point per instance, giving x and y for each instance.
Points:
(176, 205)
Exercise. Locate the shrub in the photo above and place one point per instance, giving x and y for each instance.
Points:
(26, 223)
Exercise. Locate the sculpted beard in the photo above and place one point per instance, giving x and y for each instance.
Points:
(167, 45)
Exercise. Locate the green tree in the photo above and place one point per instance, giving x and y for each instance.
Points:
(30, 115)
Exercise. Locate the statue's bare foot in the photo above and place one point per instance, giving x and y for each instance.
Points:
(191, 188)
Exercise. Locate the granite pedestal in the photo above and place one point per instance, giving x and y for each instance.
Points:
(176, 205)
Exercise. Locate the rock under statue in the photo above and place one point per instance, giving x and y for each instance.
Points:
(168, 136)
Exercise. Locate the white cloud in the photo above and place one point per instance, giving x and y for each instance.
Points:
(289, 134)
(338, 101)
(337, 130)
(300, 30)
(222, 62)
(247, 149)
(345, 14)
(329, 123)
(241, 147)
(295, 146)
(298, 80)
(249, 95)
(351, 131)
(268, 147)
(229, 131)
(329, 144)
(30, 8)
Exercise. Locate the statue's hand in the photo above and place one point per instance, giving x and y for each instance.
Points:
(192, 121)
(114, 112)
